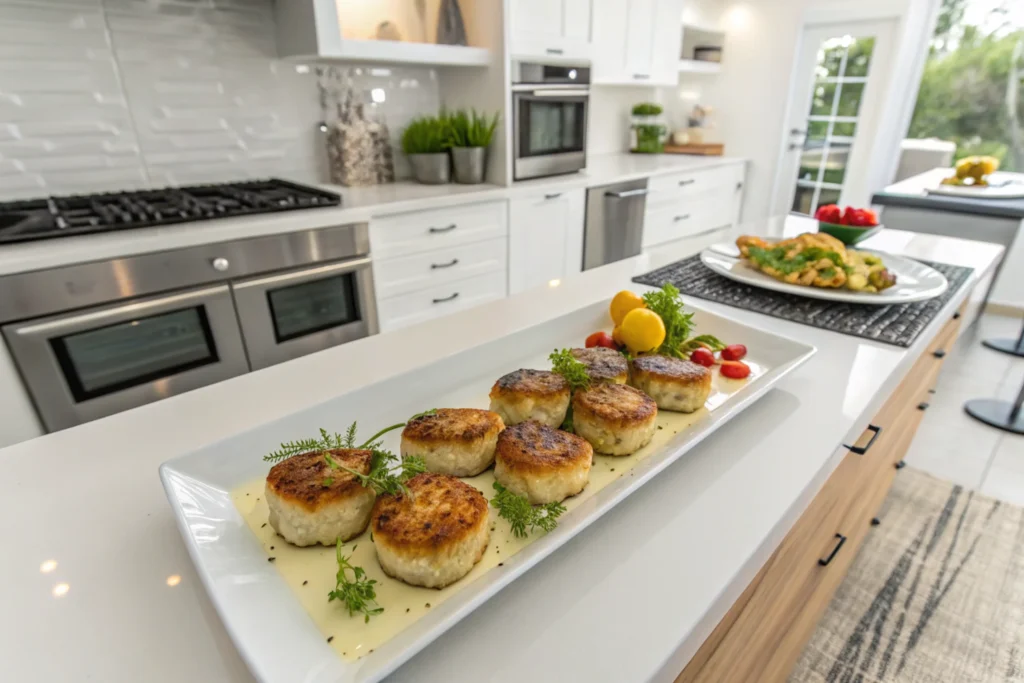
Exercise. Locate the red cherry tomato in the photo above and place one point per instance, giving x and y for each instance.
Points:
(703, 357)
(734, 352)
(734, 369)
(829, 213)
(601, 339)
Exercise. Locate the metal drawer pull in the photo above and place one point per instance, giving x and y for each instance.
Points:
(923, 405)
(835, 551)
(554, 51)
(553, 195)
(939, 354)
(681, 218)
(447, 298)
(956, 316)
(861, 450)
(434, 266)
(900, 465)
(875, 521)
(445, 229)
(626, 194)
(684, 183)
(641, 76)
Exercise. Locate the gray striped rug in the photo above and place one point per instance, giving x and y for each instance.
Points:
(936, 594)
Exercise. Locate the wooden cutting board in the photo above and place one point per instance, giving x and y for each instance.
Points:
(708, 149)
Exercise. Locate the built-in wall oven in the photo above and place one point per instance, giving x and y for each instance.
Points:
(550, 107)
(94, 339)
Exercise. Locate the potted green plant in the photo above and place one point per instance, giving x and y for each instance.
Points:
(426, 141)
(648, 130)
(471, 135)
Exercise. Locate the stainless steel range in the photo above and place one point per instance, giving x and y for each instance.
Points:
(97, 338)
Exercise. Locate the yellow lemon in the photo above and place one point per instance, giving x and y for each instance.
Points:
(622, 303)
(642, 330)
(617, 335)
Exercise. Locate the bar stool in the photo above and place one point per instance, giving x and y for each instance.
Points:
(1007, 345)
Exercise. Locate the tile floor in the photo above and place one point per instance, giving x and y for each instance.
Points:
(955, 447)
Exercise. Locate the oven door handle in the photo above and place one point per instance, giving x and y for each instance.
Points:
(301, 275)
(566, 93)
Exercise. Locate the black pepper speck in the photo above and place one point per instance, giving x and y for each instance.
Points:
(330, 639)
(271, 559)
(305, 582)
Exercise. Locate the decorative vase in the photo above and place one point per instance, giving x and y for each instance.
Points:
(451, 30)
(469, 163)
(431, 169)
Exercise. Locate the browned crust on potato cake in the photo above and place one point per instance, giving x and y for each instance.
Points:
(535, 448)
(618, 404)
(439, 511)
(452, 424)
(530, 383)
(603, 363)
(300, 479)
(671, 369)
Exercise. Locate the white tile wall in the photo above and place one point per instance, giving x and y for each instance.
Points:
(121, 94)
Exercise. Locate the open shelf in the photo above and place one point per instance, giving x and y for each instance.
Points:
(395, 52)
(694, 66)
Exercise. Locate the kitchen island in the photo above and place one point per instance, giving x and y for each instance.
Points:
(98, 584)
(908, 206)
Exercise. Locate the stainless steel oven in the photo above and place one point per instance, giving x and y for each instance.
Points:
(94, 339)
(550, 109)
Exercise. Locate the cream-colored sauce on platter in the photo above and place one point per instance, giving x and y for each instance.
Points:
(310, 572)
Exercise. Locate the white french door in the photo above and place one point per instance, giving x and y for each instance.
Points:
(833, 114)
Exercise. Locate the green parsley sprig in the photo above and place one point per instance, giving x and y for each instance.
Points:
(575, 373)
(523, 517)
(678, 324)
(358, 593)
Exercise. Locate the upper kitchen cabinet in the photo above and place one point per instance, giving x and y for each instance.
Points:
(637, 41)
(378, 33)
(553, 31)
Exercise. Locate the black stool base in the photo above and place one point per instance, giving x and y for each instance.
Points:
(995, 413)
(1010, 346)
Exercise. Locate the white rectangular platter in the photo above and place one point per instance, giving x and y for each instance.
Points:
(265, 616)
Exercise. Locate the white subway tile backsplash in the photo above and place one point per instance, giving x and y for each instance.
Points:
(124, 94)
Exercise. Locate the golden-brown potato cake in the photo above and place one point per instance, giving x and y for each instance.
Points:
(603, 364)
(433, 535)
(305, 511)
(543, 464)
(537, 395)
(455, 441)
(674, 384)
(615, 418)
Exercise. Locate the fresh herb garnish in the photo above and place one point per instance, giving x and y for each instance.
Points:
(706, 341)
(777, 259)
(358, 593)
(383, 478)
(522, 516)
(678, 325)
(575, 373)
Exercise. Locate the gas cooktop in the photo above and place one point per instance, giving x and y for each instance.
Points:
(36, 219)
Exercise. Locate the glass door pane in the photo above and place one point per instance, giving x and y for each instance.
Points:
(551, 126)
(298, 310)
(840, 76)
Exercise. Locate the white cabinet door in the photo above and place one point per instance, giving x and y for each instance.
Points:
(554, 30)
(609, 46)
(537, 19)
(576, 20)
(668, 42)
(637, 41)
(640, 40)
(545, 238)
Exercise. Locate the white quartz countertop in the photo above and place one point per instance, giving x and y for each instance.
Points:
(97, 585)
(358, 204)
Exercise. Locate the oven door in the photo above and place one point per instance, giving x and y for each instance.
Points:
(290, 314)
(550, 131)
(87, 364)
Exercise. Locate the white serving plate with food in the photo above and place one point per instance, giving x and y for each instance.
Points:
(1000, 188)
(914, 280)
(281, 625)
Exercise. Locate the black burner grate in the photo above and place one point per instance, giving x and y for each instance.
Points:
(86, 214)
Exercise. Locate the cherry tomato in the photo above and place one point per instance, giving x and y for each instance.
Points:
(601, 339)
(703, 357)
(734, 352)
(734, 369)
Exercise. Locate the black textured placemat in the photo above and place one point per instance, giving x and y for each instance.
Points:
(898, 324)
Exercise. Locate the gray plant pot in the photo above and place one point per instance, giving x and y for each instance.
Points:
(431, 169)
(470, 163)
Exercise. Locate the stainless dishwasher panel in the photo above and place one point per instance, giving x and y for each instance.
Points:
(615, 222)
(88, 364)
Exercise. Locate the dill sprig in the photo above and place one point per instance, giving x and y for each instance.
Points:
(383, 477)
(678, 325)
(358, 593)
(566, 365)
(326, 442)
(523, 517)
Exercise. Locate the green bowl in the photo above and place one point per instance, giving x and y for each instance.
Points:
(848, 234)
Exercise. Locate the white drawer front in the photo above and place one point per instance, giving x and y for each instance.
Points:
(403, 274)
(400, 311)
(667, 188)
(408, 233)
(686, 217)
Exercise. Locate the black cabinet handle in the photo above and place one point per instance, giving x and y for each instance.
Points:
(835, 551)
(446, 298)
(956, 316)
(553, 195)
(681, 218)
(554, 51)
(939, 354)
(861, 450)
(684, 183)
(435, 266)
(447, 228)
(641, 77)
(923, 405)
(900, 465)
